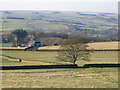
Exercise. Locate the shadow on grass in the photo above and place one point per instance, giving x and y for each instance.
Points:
(10, 57)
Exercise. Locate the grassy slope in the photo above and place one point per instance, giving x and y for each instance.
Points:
(61, 78)
(58, 78)
(40, 58)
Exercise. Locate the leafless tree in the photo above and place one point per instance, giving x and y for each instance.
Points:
(73, 49)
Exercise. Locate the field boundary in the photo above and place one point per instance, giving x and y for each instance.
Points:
(62, 50)
(60, 66)
(10, 58)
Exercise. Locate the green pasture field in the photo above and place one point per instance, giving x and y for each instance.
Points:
(36, 57)
(45, 25)
(13, 24)
(61, 78)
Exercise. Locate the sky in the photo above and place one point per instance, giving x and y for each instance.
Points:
(61, 5)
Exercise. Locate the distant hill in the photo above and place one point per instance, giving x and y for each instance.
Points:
(84, 23)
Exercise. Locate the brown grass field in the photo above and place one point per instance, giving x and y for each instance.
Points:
(61, 78)
(104, 45)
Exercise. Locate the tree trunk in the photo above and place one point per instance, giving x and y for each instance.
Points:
(74, 62)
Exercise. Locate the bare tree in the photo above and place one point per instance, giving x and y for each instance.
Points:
(51, 40)
(73, 49)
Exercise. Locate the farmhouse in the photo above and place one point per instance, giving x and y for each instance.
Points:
(40, 44)
(34, 46)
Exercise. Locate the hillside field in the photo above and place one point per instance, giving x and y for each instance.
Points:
(51, 21)
(59, 78)
(94, 46)
(47, 57)
(103, 25)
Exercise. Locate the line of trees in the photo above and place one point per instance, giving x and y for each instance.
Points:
(21, 36)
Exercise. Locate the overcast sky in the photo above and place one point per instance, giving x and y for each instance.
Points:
(61, 5)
